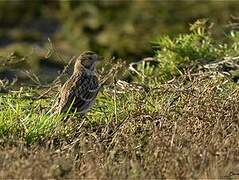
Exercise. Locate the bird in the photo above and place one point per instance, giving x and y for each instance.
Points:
(79, 92)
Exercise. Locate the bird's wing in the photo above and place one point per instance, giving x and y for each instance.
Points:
(78, 92)
(87, 89)
(86, 93)
(65, 97)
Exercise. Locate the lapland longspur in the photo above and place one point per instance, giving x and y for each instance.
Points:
(79, 92)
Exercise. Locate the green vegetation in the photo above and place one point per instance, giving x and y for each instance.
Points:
(179, 121)
(175, 131)
(191, 52)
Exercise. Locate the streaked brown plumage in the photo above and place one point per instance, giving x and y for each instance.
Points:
(80, 91)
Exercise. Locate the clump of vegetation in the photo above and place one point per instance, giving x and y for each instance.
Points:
(192, 52)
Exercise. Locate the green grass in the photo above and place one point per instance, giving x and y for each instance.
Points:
(174, 131)
(185, 126)
(192, 50)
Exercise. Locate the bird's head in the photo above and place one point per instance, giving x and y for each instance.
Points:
(87, 60)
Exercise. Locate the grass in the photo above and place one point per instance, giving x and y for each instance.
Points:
(182, 129)
(185, 127)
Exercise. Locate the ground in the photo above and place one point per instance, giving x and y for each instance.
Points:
(180, 129)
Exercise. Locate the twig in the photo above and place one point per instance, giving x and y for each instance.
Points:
(131, 65)
(64, 70)
(55, 84)
(116, 129)
(33, 77)
(173, 136)
(114, 70)
(46, 92)
(115, 104)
